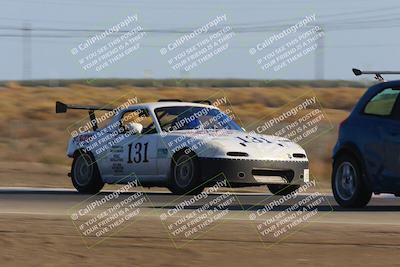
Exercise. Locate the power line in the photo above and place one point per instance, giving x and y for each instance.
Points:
(257, 29)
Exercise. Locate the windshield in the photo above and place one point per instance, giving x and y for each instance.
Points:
(190, 118)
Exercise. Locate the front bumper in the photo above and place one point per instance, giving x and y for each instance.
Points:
(246, 172)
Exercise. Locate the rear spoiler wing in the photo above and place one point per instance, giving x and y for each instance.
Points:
(378, 74)
(62, 108)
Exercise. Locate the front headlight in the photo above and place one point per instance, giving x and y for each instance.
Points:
(212, 149)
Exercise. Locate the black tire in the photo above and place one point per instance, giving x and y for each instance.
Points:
(282, 189)
(185, 174)
(348, 185)
(85, 175)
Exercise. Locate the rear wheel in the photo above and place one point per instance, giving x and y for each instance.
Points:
(348, 186)
(282, 189)
(185, 174)
(85, 175)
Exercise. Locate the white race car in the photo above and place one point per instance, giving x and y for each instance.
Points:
(184, 146)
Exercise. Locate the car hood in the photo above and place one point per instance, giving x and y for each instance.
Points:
(218, 143)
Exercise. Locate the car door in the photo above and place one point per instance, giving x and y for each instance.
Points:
(134, 154)
(383, 145)
(140, 155)
(391, 136)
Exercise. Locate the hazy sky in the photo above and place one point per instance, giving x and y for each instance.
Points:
(356, 34)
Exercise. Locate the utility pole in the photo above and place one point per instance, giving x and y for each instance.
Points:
(26, 51)
(320, 56)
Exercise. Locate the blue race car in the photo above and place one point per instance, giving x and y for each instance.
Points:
(366, 157)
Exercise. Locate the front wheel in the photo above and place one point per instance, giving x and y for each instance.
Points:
(185, 174)
(85, 175)
(348, 186)
(282, 189)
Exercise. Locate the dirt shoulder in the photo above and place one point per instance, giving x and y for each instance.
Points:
(48, 240)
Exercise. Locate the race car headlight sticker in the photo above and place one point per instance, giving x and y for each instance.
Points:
(237, 154)
(214, 149)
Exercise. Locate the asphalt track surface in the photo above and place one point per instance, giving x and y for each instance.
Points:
(37, 219)
(47, 201)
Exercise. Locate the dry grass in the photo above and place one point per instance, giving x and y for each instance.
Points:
(30, 131)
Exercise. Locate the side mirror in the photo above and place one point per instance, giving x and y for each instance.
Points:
(134, 128)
